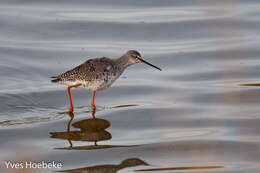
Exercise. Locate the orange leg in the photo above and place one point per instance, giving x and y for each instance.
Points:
(93, 101)
(69, 87)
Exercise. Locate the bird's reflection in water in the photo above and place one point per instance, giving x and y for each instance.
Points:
(94, 130)
(109, 168)
(91, 130)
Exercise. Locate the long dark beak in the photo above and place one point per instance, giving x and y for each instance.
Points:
(145, 62)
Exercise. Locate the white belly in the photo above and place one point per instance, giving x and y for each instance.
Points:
(95, 85)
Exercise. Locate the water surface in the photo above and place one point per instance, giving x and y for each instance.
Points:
(200, 113)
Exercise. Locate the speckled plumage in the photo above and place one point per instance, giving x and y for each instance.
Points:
(94, 74)
(98, 73)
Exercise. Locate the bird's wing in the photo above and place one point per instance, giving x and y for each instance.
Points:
(88, 71)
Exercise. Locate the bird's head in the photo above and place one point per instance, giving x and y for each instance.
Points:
(134, 56)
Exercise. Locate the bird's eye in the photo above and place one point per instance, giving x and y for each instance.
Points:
(136, 57)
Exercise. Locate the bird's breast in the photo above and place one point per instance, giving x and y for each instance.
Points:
(101, 81)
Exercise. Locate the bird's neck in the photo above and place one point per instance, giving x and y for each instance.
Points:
(122, 62)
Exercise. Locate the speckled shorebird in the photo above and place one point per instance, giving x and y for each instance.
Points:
(98, 73)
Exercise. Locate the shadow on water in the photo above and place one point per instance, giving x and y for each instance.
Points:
(91, 130)
(250, 84)
(94, 130)
(180, 168)
(131, 162)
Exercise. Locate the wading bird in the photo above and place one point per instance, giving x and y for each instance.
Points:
(98, 73)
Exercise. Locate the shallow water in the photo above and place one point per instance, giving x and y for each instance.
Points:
(200, 113)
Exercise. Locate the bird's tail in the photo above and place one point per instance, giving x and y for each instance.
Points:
(55, 79)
